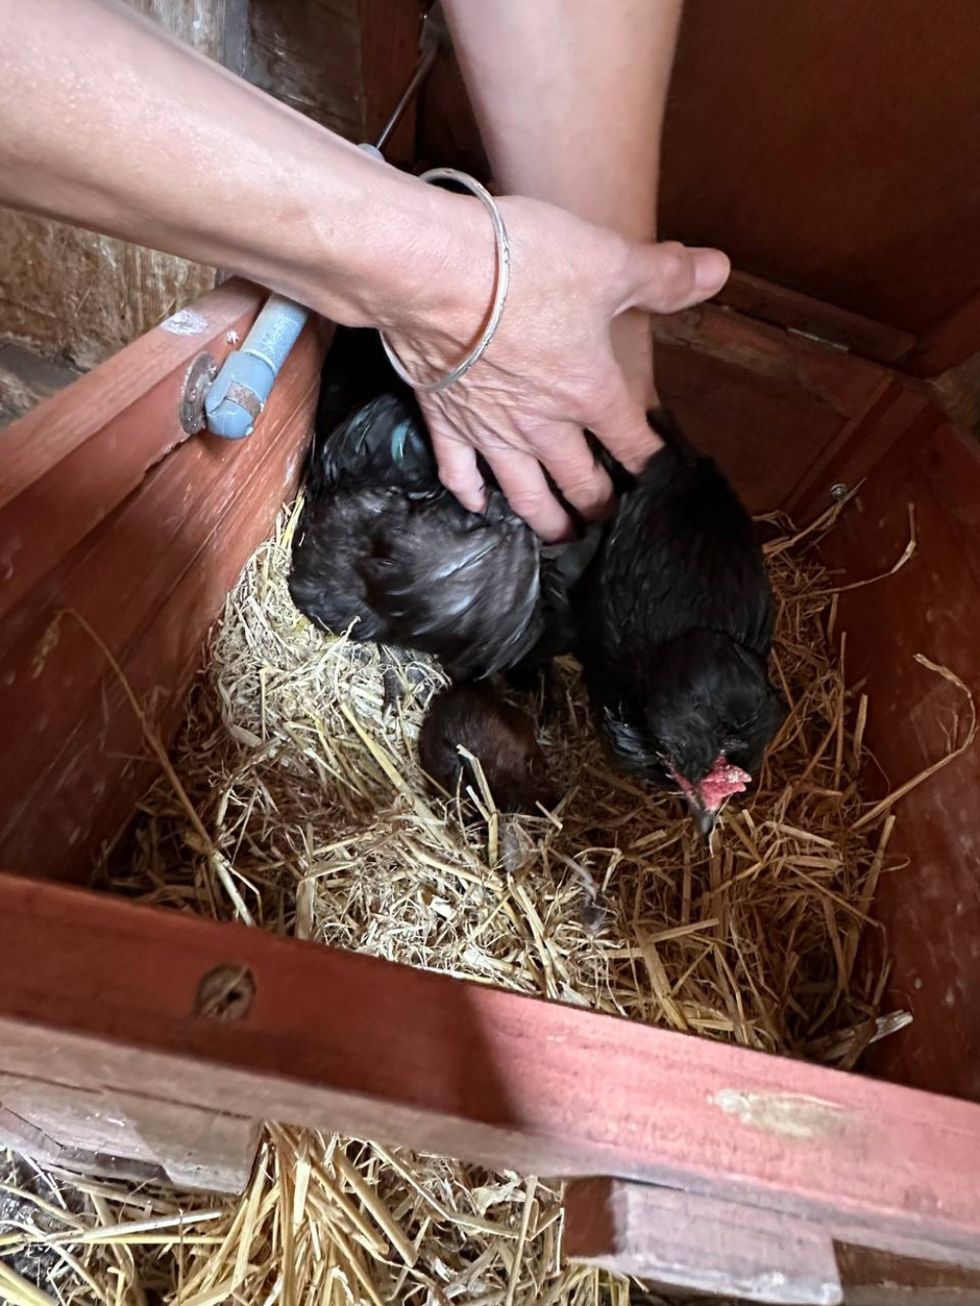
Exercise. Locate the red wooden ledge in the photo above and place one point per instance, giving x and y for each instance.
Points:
(96, 992)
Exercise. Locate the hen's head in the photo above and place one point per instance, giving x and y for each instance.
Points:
(700, 720)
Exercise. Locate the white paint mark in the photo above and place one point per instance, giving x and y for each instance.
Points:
(46, 646)
(12, 547)
(789, 1115)
(231, 337)
(186, 322)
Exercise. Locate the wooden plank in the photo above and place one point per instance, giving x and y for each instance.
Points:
(767, 302)
(931, 907)
(106, 992)
(343, 63)
(90, 1130)
(390, 31)
(894, 412)
(873, 1278)
(835, 381)
(673, 1239)
(760, 430)
(822, 146)
(307, 54)
(72, 459)
(149, 583)
(949, 342)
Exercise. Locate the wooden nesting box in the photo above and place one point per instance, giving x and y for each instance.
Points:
(143, 1042)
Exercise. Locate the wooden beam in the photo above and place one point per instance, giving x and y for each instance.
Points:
(836, 381)
(675, 1239)
(390, 31)
(148, 580)
(71, 460)
(949, 343)
(872, 1278)
(768, 302)
(97, 992)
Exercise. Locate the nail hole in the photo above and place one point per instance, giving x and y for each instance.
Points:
(225, 993)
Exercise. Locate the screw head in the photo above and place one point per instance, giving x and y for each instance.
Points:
(225, 993)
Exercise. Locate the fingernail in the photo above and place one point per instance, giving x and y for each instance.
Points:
(711, 270)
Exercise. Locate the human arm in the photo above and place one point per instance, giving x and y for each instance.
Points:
(107, 122)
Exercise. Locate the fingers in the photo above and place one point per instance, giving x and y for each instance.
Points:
(458, 470)
(523, 483)
(573, 468)
(669, 277)
(621, 425)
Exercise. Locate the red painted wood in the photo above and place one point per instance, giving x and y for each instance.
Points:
(768, 302)
(149, 580)
(931, 909)
(949, 342)
(72, 459)
(897, 409)
(763, 403)
(97, 991)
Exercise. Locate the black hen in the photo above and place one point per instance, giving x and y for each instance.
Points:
(381, 544)
(675, 619)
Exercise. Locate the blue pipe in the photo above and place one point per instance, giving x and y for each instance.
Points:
(242, 387)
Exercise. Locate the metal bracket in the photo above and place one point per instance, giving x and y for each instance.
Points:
(199, 376)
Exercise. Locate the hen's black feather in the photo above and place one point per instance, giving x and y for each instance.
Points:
(382, 544)
(675, 621)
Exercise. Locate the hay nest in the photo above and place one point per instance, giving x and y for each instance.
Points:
(304, 812)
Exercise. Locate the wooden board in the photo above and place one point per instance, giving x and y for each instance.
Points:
(764, 403)
(148, 580)
(873, 1278)
(97, 992)
(343, 63)
(670, 1238)
(70, 461)
(675, 1239)
(768, 302)
(931, 908)
(822, 146)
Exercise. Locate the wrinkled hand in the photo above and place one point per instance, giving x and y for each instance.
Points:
(549, 371)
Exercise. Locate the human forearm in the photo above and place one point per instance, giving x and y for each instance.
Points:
(570, 99)
(107, 122)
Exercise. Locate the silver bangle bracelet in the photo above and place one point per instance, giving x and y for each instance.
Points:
(502, 282)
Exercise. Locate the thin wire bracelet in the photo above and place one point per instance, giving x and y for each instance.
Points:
(502, 249)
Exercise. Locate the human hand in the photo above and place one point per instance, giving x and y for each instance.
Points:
(549, 372)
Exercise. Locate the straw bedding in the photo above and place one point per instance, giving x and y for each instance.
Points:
(305, 812)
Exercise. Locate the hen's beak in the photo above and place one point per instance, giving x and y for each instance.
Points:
(705, 821)
(704, 817)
